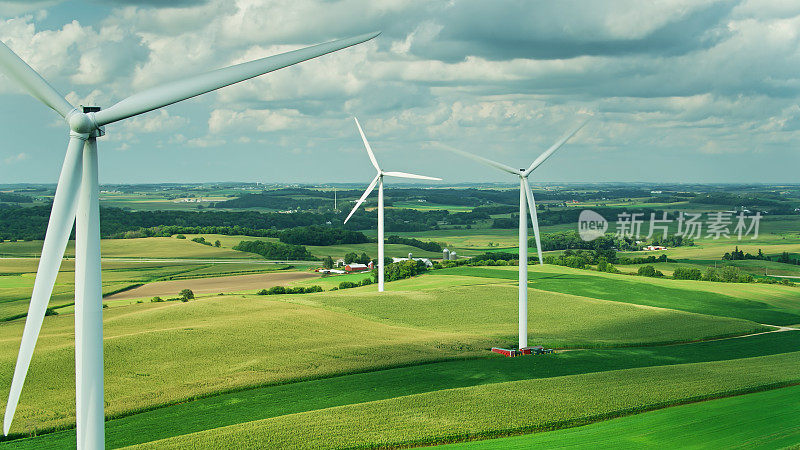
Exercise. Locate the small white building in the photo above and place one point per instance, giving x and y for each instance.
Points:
(427, 261)
(339, 263)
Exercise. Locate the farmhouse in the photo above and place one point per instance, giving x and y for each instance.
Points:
(354, 267)
(655, 247)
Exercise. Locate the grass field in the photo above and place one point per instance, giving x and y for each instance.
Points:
(759, 420)
(780, 308)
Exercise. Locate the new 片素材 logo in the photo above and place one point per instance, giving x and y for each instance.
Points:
(591, 225)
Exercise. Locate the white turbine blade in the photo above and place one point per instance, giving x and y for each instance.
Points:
(483, 160)
(410, 175)
(62, 216)
(174, 92)
(363, 197)
(555, 147)
(534, 218)
(17, 69)
(366, 144)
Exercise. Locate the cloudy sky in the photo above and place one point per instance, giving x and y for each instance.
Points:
(682, 90)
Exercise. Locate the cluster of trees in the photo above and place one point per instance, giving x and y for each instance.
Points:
(352, 284)
(500, 256)
(581, 259)
(275, 290)
(202, 240)
(184, 295)
(786, 259)
(275, 250)
(643, 259)
(649, 271)
(9, 197)
(427, 246)
(355, 258)
(319, 235)
(673, 241)
(577, 259)
(401, 270)
(740, 255)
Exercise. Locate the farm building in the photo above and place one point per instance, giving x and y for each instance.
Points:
(354, 267)
(655, 247)
(427, 261)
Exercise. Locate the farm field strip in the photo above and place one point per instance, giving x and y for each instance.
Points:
(272, 401)
(762, 420)
(151, 352)
(213, 285)
(671, 294)
(490, 309)
(501, 408)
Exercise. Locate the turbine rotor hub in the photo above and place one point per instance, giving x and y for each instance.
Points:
(81, 120)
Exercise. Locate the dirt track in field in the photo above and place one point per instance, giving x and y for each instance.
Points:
(214, 285)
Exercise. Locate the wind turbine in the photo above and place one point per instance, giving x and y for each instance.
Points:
(76, 200)
(526, 201)
(379, 181)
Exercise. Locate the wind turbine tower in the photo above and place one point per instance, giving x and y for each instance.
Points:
(379, 181)
(526, 203)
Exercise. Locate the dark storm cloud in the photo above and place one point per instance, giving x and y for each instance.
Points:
(509, 29)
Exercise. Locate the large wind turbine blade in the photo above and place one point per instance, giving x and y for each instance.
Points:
(410, 175)
(174, 92)
(62, 216)
(555, 146)
(534, 218)
(366, 144)
(483, 160)
(363, 197)
(17, 69)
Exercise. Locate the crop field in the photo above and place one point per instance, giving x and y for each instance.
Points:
(17, 277)
(224, 284)
(494, 409)
(155, 247)
(762, 419)
(273, 401)
(396, 362)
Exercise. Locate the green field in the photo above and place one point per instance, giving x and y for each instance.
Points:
(491, 310)
(498, 408)
(762, 420)
(274, 401)
(156, 247)
(407, 367)
(781, 308)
